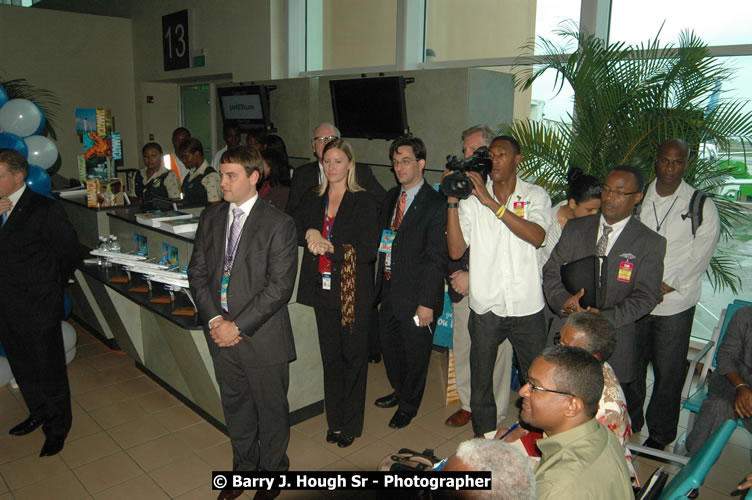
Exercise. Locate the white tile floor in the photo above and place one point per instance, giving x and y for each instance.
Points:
(131, 439)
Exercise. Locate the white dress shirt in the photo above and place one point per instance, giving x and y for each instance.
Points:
(687, 257)
(504, 274)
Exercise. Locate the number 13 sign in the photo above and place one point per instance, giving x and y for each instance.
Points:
(175, 48)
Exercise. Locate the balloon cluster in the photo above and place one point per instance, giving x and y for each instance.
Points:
(21, 121)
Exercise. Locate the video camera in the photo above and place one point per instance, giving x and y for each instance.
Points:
(457, 183)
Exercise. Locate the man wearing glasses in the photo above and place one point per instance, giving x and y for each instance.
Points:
(502, 224)
(581, 458)
(410, 278)
(630, 274)
(308, 176)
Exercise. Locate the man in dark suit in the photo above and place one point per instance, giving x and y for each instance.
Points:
(38, 250)
(242, 273)
(410, 277)
(309, 175)
(630, 275)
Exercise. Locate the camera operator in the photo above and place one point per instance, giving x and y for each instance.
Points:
(502, 221)
(472, 139)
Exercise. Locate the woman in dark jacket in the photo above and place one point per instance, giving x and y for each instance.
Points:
(338, 224)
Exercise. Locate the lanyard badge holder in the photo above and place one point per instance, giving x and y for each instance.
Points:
(326, 273)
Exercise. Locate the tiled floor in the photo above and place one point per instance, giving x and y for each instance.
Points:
(133, 440)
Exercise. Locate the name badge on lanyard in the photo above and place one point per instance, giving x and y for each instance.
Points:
(385, 247)
(325, 267)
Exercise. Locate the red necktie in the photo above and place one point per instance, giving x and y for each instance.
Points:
(400, 211)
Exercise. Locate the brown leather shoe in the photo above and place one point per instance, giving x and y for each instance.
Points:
(459, 418)
(229, 494)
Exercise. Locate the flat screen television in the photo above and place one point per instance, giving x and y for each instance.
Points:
(370, 108)
(248, 105)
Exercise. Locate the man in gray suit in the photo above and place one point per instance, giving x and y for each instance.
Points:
(630, 275)
(242, 273)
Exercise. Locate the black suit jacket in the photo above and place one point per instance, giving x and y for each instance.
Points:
(419, 252)
(356, 224)
(623, 302)
(306, 177)
(38, 250)
(261, 282)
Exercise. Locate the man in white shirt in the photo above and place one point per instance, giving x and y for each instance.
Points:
(473, 138)
(231, 135)
(663, 338)
(502, 222)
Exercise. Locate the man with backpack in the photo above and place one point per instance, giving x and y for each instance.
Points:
(689, 222)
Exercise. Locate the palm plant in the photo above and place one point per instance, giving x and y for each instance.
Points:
(627, 101)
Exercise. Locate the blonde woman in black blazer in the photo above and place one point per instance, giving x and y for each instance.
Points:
(338, 224)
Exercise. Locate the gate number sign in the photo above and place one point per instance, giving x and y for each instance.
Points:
(175, 48)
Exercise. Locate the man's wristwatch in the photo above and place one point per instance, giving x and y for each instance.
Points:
(453, 204)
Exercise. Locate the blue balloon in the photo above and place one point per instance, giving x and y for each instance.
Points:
(42, 123)
(12, 141)
(67, 306)
(38, 180)
(3, 96)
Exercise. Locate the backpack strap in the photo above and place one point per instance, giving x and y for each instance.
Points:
(696, 204)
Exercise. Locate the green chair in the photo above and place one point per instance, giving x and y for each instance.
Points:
(694, 401)
(693, 474)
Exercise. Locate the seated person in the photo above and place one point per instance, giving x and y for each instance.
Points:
(154, 180)
(729, 393)
(581, 458)
(511, 476)
(202, 184)
(595, 334)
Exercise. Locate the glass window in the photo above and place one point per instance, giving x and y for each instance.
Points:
(722, 22)
(350, 33)
(555, 14)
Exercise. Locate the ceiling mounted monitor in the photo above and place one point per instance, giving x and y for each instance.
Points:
(370, 108)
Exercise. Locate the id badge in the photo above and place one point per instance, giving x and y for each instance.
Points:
(387, 238)
(326, 281)
(223, 291)
(625, 271)
(519, 209)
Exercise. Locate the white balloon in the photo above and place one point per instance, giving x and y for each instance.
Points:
(21, 117)
(42, 151)
(5, 373)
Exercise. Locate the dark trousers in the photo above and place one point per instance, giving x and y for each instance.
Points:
(37, 359)
(254, 400)
(664, 342)
(344, 355)
(407, 350)
(527, 334)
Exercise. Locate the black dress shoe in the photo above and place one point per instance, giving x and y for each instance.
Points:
(374, 357)
(266, 494)
(345, 441)
(229, 494)
(652, 443)
(389, 401)
(400, 420)
(52, 446)
(332, 437)
(25, 427)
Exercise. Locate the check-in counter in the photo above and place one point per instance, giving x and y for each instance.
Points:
(173, 347)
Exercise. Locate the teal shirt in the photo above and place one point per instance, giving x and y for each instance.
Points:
(586, 462)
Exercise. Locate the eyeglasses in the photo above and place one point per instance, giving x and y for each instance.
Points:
(403, 162)
(619, 194)
(325, 139)
(541, 389)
